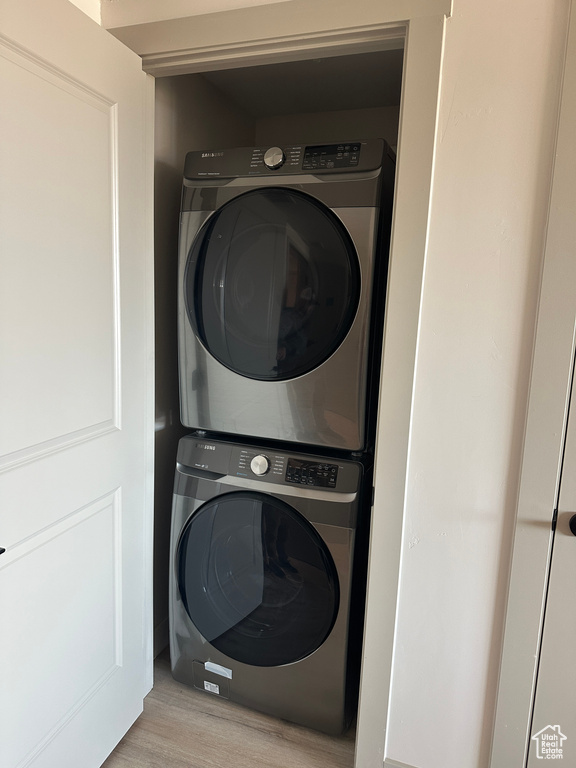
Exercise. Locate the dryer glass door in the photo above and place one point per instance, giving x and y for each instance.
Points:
(256, 579)
(272, 284)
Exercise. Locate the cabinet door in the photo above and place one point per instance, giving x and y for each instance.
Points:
(75, 388)
(554, 718)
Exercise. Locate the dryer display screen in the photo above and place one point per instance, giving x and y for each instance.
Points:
(331, 156)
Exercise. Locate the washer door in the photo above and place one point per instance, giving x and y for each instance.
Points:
(272, 284)
(256, 579)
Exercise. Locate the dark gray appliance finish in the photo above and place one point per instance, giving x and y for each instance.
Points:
(261, 590)
(282, 252)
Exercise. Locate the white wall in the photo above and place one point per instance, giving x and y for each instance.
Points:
(494, 151)
(381, 122)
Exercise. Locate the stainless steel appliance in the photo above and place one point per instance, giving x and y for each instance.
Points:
(263, 605)
(282, 262)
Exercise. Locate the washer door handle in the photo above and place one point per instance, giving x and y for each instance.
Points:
(2, 550)
(572, 524)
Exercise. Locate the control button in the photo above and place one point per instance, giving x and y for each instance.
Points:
(260, 464)
(274, 157)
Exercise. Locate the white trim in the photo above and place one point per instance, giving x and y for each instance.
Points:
(148, 555)
(543, 446)
(377, 37)
(417, 135)
(396, 764)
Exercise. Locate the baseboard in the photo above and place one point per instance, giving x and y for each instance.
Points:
(160, 637)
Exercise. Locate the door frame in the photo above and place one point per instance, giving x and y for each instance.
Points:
(422, 26)
(546, 425)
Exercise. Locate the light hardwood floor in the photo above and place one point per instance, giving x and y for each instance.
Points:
(184, 728)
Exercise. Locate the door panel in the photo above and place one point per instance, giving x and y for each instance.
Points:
(83, 616)
(536, 674)
(554, 719)
(58, 207)
(76, 388)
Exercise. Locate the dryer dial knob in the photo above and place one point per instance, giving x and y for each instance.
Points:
(274, 158)
(260, 465)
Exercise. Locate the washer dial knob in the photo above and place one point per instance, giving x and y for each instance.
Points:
(274, 158)
(260, 464)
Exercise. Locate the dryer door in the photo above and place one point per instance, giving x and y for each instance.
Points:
(256, 579)
(272, 284)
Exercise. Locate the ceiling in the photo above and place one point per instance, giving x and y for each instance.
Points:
(358, 81)
(120, 13)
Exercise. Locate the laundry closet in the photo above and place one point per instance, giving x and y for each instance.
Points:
(469, 112)
(317, 101)
(323, 101)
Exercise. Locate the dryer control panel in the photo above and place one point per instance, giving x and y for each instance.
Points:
(240, 162)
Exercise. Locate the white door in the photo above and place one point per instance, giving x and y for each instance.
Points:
(75, 388)
(554, 719)
(537, 687)
(553, 723)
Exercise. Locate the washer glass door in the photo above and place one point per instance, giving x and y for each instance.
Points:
(256, 579)
(272, 284)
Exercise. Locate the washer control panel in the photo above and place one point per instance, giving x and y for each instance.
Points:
(312, 473)
(212, 459)
(285, 469)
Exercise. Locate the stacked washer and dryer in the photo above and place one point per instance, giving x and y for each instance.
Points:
(282, 268)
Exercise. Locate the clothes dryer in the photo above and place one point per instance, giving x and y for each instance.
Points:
(282, 265)
(265, 607)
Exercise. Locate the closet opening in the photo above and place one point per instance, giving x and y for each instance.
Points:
(321, 100)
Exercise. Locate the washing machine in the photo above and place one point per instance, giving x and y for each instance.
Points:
(267, 582)
(282, 269)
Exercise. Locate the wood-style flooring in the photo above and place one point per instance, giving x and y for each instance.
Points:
(184, 728)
